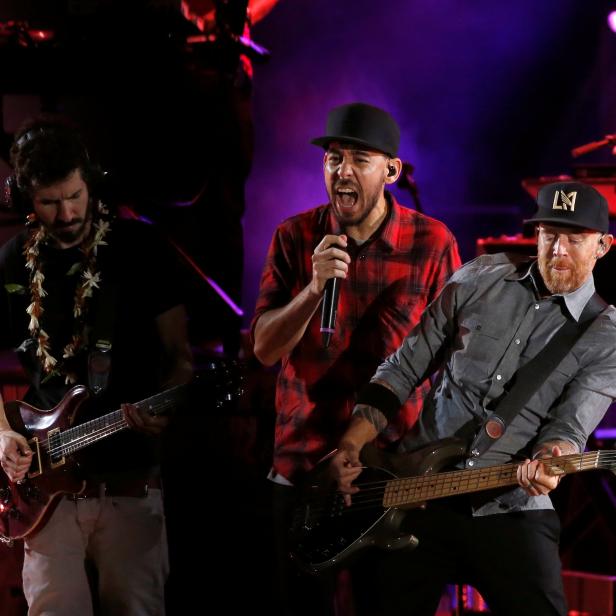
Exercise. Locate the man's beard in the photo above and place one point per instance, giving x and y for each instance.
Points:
(370, 201)
(563, 281)
(67, 234)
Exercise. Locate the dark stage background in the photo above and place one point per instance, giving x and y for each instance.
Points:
(486, 93)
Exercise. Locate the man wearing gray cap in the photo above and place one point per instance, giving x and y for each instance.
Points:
(492, 319)
(387, 262)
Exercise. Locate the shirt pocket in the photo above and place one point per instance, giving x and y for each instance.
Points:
(479, 346)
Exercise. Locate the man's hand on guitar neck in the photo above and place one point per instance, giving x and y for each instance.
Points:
(143, 422)
(15, 454)
(346, 466)
(533, 475)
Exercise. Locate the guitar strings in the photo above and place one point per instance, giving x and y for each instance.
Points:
(450, 483)
(62, 447)
(80, 441)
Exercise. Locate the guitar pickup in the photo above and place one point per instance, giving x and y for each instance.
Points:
(36, 467)
(54, 442)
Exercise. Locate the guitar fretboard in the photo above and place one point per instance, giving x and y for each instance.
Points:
(413, 490)
(78, 437)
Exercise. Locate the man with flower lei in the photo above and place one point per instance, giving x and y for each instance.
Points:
(77, 277)
(89, 280)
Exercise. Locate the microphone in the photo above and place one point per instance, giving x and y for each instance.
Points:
(330, 307)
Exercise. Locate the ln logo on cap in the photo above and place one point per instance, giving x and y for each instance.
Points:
(566, 202)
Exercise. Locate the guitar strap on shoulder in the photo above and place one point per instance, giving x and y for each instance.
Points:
(103, 324)
(532, 375)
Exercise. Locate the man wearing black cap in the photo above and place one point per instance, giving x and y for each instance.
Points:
(488, 325)
(389, 262)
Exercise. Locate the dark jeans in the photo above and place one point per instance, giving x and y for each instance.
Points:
(296, 593)
(511, 559)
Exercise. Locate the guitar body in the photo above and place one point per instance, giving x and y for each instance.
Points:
(325, 532)
(25, 507)
(54, 438)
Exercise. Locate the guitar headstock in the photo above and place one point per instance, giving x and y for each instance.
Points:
(219, 381)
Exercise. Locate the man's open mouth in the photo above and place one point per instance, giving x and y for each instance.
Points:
(346, 197)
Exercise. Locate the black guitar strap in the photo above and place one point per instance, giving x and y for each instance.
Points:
(532, 375)
(103, 322)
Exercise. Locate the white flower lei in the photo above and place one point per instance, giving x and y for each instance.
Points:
(90, 279)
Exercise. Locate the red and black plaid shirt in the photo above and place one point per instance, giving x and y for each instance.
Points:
(392, 278)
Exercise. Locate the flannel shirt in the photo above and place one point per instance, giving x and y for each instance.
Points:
(392, 278)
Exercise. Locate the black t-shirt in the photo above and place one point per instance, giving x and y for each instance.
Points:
(141, 279)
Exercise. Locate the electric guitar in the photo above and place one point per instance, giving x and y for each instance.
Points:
(53, 439)
(325, 532)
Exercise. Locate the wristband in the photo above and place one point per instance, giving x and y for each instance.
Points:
(381, 398)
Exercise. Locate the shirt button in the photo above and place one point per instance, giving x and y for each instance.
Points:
(362, 257)
(498, 377)
(517, 341)
(536, 306)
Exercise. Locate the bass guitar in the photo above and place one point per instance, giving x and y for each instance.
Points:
(53, 439)
(326, 533)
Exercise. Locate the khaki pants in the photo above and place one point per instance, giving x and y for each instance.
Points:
(123, 537)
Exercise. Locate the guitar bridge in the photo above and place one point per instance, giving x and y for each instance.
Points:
(36, 467)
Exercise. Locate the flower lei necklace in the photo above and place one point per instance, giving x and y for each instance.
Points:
(89, 280)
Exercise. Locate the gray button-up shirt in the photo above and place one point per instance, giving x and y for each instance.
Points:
(488, 322)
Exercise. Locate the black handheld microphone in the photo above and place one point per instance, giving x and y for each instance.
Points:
(330, 307)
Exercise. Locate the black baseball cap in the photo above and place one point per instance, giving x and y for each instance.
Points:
(363, 125)
(573, 204)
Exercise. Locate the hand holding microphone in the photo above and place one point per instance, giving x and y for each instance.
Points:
(330, 263)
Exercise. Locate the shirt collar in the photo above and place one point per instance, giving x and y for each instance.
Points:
(574, 301)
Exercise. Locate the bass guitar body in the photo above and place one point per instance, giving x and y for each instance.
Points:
(326, 533)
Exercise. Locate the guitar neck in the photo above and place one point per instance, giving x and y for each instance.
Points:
(92, 431)
(413, 490)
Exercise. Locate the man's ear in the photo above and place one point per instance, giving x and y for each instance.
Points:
(605, 243)
(393, 170)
